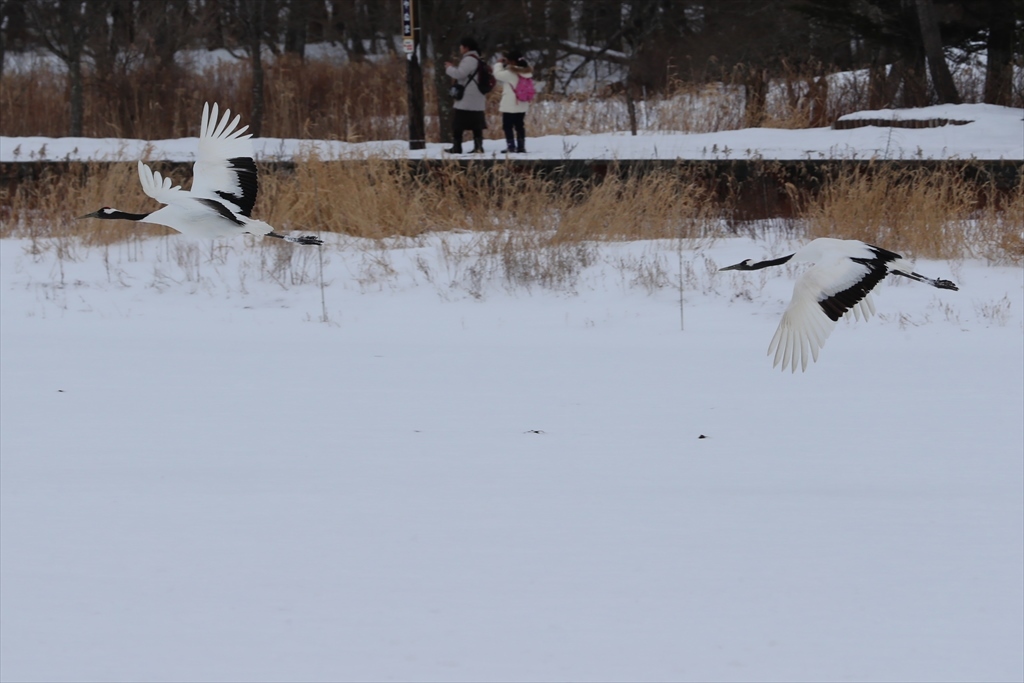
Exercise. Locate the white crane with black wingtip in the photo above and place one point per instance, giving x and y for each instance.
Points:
(841, 279)
(224, 187)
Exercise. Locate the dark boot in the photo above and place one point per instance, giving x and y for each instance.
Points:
(478, 143)
(521, 147)
(456, 147)
(510, 145)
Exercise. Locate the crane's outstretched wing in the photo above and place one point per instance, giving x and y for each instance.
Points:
(224, 170)
(156, 186)
(821, 297)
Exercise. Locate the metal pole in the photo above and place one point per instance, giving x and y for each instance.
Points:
(414, 74)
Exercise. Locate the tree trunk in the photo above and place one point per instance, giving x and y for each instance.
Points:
(909, 73)
(879, 96)
(600, 21)
(214, 15)
(75, 30)
(77, 99)
(439, 33)
(63, 30)
(3, 49)
(942, 80)
(999, 69)
(296, 28)
(256, 119)
(256, 23)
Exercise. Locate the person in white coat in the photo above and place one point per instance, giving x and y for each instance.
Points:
(469, 109)
(509, 69)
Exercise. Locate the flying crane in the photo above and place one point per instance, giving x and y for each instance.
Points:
(841, 279)
(223, 191)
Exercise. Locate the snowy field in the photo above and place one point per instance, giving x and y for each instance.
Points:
(993, 133)
(212, 468)
(461, 480)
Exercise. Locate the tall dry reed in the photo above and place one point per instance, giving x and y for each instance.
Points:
(660, 204)
(49, 206)
(938, 213)
(925, 213)
(355, 101)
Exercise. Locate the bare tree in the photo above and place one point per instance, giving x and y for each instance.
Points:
(254, 22)
(297, 25)
(999, 65)
(368, 26)
(942, 80)
(891, 33)
(6, 7)
(64, 27)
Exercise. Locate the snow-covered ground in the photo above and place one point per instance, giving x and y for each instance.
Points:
(994, 133)
(213, 468)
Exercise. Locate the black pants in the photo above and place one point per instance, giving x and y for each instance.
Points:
(464, 120)
(514, 125)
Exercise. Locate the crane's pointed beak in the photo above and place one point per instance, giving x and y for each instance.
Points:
(94, 214)
(737, 266)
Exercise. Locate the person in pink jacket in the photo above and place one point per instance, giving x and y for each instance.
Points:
(509, 69)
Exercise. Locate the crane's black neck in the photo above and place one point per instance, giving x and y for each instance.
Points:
(122, 215)
(767, 264)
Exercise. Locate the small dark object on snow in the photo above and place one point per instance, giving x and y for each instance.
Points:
(702, 437)
(534, 431)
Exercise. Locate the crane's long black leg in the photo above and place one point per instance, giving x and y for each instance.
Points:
(941, 284)
(301, 239)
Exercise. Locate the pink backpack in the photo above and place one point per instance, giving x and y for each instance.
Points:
(525, 92)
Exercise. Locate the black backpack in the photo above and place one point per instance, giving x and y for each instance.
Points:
(484, 76)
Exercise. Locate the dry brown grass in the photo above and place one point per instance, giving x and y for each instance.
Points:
(937, 213)
(1000, 227)
(662, 204)
(919, 212)
(377, 198)
(40, 209)
(367, 101)
(367, 198)
(302, 100)
(319, 100)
